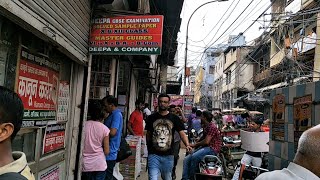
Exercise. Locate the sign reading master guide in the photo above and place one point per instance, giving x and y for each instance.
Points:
(127, 35)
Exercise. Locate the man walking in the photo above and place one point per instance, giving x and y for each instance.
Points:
(160, 139)
(176, 147)
(13, 165)
(114, 123)
(135, 124)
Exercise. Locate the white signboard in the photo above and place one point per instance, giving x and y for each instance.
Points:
(255, 141)
(55, 172)
(63, 102)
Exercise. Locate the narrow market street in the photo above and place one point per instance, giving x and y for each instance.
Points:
(85, 84)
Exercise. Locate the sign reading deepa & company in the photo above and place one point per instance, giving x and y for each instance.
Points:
(130, 35)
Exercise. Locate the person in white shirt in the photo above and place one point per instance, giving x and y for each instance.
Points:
(146, 110)
(305, 164)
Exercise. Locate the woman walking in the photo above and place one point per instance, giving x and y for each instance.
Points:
(96, 144)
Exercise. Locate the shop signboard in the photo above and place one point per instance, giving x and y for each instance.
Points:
(38, 86)
(302, 112)
(55, 172)
(188, 104)
(54, 138)
(63, 102)
(278, 109)
(127, 35)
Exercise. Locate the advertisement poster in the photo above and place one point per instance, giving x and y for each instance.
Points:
(176, 100)
(302, 109)
(278, 109)
(63, 102)
(127, 35)
(38, 86)
(188, 104)
(55, 172)
(254, 141)
(54, 138)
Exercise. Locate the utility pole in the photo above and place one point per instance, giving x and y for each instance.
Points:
(186, 48)
(316, 74)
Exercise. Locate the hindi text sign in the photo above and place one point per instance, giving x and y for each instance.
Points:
(38, 85)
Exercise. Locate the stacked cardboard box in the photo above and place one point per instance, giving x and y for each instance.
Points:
(130, 168)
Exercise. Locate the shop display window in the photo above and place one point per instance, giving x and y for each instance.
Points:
(100, 77)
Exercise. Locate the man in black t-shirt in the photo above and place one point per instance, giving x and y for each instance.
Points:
(160, 139)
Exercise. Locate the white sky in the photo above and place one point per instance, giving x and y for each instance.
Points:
(206, 19)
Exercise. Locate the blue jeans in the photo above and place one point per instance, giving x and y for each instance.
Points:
(95, 175)
(191, 162)
(160, 165)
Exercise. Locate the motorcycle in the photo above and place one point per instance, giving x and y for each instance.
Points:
(211, 167)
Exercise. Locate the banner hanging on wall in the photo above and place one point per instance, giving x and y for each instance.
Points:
(127, 35)
(38, 86)
(54, 138)
(278, 109)
(63, 102)
(302, 112)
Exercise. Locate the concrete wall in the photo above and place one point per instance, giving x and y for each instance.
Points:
(246, 76)
(281, 153)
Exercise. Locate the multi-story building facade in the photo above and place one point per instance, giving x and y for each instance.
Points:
(218, 83)
(238, 71)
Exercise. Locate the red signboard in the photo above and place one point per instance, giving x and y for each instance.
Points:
(127, 35)
(54, 138)
(38, 85)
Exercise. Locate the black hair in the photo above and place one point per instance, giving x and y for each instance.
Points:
(146, 105)
(194, 110)
(258, 119)
(207, 115)
(172, 106)
(95, 110)
(138, 102)
(11, 109)
(111, 100)
(198, 113)
(164, 95)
